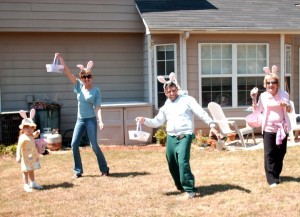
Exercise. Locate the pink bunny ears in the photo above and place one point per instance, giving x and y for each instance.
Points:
(172, 79)
(88, 66)
(267, 70)
(27, 121)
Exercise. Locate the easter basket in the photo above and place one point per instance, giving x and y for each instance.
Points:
(41, 145)
(138, 134)
(55, 67)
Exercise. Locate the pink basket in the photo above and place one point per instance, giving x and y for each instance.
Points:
(40, 145)
(254, 119)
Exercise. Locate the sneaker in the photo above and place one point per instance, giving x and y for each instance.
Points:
(27, 188)
(189, 195)
(107, 173)
(273, 185)
(76, 176)
(36, 186)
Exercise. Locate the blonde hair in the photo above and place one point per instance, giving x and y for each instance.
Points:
(271, 75)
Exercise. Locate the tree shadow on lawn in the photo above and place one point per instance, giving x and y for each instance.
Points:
(61, 185)
(212, 189)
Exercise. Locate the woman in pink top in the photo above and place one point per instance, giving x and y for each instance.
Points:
(274, 105)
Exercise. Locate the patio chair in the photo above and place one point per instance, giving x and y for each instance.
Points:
(295, 126)
(226, 124)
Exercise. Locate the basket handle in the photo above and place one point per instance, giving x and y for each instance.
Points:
(55, 60)
(138, 126)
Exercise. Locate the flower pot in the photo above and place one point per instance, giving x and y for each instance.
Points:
(231, 137)
(54, 142)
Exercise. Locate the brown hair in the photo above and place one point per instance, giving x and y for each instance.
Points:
(84, 72)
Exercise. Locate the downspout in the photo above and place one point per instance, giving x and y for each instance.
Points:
(149, 52)
(183, 60)
(149, 56)
(282, 61)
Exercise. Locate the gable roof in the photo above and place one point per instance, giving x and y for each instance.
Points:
(221, 15)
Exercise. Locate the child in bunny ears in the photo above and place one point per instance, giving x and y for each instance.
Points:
(178, 112)
(27, 153)
(89, 110)
(274, 104)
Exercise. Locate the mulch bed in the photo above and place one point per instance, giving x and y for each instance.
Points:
(133, 147)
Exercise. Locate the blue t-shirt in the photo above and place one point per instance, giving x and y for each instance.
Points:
(87, 100)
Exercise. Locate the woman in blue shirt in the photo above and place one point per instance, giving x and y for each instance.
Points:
(89, 108)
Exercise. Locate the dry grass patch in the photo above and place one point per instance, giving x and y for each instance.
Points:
(231, 184)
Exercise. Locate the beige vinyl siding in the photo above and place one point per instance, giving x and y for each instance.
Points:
(118, 68)
(192, 55)
(70, 16)
(192, 52)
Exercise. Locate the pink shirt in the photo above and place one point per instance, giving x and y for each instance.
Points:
(273, 113)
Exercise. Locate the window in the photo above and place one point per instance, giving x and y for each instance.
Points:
(165, 62)
(287, 73)
(228, 72)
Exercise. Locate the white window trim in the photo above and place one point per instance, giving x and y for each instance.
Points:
(234, 68)
(155, 69)
(286, 46)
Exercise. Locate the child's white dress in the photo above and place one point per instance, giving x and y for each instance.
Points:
(28, 152)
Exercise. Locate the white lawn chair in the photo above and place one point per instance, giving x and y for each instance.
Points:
(225, 124)
(295, 126)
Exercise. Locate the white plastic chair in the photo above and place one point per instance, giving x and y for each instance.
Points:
(225, 124)
(295, 126)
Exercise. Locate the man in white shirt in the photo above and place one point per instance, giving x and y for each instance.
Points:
(178, 111)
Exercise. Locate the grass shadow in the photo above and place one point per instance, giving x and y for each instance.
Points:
(128, 174)
(289, 179)
(212, 189)
(173, 193)
(61, 185)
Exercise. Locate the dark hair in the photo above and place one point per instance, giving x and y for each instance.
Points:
(83, 72)
(170, 84)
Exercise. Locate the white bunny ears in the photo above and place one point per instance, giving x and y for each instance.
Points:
(172, 79)
(27, 121)
(267, 70)
(88, 66)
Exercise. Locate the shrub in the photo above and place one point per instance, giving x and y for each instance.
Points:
(8, 150)
(161, 135)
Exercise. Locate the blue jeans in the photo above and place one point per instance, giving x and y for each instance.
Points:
(90, 125)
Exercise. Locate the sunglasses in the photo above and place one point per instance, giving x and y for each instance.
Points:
(271, 82)
(86, 76)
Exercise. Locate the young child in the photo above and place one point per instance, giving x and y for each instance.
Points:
(27, 152)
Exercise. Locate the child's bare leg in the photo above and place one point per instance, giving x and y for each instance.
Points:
(31, 175)
(25, 177)
(25, 180)
(33, 183)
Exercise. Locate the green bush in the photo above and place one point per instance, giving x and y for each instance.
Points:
(8, 150)
(161, 135)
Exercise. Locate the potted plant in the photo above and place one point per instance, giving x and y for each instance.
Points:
(161, 135)
(47, 113)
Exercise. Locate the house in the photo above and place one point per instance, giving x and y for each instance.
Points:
(216, 48)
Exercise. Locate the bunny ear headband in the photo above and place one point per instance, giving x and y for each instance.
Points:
(27, 121)
(172, 79)
(274, 70)
(88, 66)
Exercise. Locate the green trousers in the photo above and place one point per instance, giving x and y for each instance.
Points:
(178, 157)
